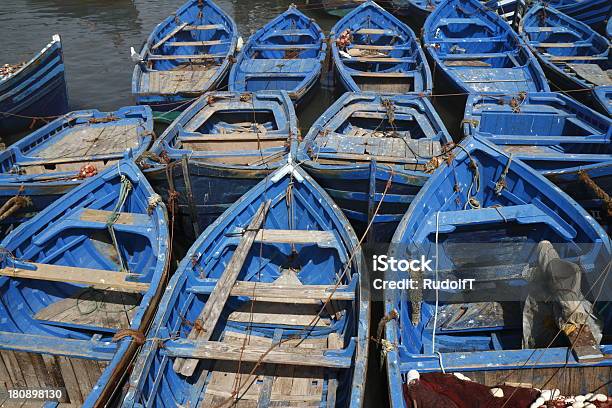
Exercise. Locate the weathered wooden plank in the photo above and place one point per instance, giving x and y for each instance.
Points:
(96, 278)
(169, 35)
(204, 27)
(295, 236)
(231, 137)
(189, 57)
(214, 306)
(382, 74)
(287, 293)
(217, 350)
(195, 43)
(554, 45)
(91, 215)
(374, 31)
(266, 388)
(577, 58)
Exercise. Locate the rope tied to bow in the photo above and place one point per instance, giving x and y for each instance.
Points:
(124, 191)
(137, 336)
(501, 182)
(13, 205)
(598, 191)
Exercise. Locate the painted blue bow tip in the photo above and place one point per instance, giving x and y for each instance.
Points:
(79, 284)
(33, 90)
(285, 55)
(487, 216)
(574, 56)
(373, 51)
(369, 148)
(220, 148)
(47, 163)
(187, 54)
(252, 298)
(475, 51)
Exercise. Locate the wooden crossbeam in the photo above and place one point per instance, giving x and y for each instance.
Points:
(215, 350)
(231, 137)
(216, 301)
(377, 59)
(284, 293)
(195, 43)
(555, 45)
(577, 58)
(374, 47)
(382, 74)
(294, 236)
(91, 215)
(168, 36)
(205, 27)
(191, 57)
(95, 278)
(375, 31)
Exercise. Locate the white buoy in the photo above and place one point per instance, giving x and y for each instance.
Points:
(497, 392)
(600, 398)
(413, 375)
(239, 44)
(579, 398)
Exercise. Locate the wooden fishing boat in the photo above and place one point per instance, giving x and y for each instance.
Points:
(592, 12)
(365, 141)
(475, 51)
(49, 162)
(548, 131)
(36, 88)
(186, 55)
(285, 55)
(374, 51)
(603, 99)
(218, 149)
(574, 57)
(487, 217)
(79, 286)
(268, 308)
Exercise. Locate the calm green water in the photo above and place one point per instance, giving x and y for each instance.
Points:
(97, 36)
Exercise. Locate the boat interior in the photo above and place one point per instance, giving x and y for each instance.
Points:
(383, 55)
(234, 130)
(280, 282)
(185, 55)
(575, 49)
(285, 54)
(86, 137)
(60, 317)
(492, 232)
(480, 51)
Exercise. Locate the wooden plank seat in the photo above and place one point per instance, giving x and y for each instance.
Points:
(275, 74)
(382, 74)
(282, 47)
(95, 278)
(215, 350)
(231, 137)
(556, 29)
(474, 56)
(196, 43)
(325, 238)
(153, 57)
(379, 47)
(168, 36)
(102, 216)
(559, 45)
(284, 293)
(290, 32)
(379, 59)
(62, 160)
(59, 346)
(205, 27)
(578, 58)
(376, 31)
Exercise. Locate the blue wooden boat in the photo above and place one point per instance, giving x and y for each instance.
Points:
(186, 55)
(486, 217)
(375, 52)
(36, 88)
(218, 149)
(574, 57)
(609, 28)
(548, 131)
(47, 163)
(268, 308)
(603, 99)
(285, 55)
(591, 12)
(364, 140)
(79, 285)
(475, 51)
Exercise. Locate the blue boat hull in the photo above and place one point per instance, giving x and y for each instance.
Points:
(482, 215)
(38, 90)
(289, 203)
(65, 260)
(34, 181)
